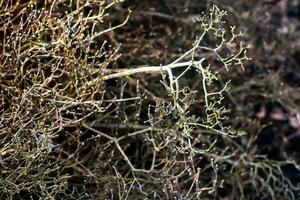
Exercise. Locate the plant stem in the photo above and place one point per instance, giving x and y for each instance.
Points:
(150, 69)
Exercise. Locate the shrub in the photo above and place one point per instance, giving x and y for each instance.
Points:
(74, 126)
(48, 54)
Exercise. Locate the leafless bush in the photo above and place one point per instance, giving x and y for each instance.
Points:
(48, 54)
(74, 126)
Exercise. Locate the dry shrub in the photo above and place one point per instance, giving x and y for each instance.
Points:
(75, 125)
(50, 50)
